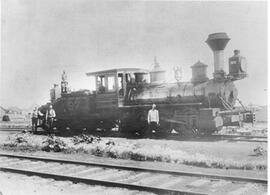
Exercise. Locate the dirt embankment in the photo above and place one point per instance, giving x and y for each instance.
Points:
(218, 154)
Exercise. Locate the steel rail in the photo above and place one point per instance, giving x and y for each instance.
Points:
(218, 138)
(235, 136)
(132, 168)
(241, 138)
(107, 183)
(247, 140)
(13, 128)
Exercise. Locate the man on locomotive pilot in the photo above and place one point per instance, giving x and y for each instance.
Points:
(50, 115)
(153, 119)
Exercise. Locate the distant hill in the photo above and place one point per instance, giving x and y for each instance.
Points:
(15, 109)
(261, 115)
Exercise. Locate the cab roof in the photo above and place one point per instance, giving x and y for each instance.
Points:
(118, 70)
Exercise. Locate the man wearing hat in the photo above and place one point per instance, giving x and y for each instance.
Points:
(50, 116)
(34, 120)
(153, 119)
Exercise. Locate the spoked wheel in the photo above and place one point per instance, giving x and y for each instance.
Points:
(132, 130)
(206, 133)
(68, 131)
(164, 130)
(103, 128)
(63, 128)
(91, 128)
(185, 131)
(142, 130)
(134, 126)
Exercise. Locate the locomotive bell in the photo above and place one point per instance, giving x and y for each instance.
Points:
(157, 75)
(217, 42)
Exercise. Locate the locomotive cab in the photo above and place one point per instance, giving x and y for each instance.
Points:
(116, 86)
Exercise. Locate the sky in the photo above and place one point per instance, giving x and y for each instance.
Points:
(40, 39)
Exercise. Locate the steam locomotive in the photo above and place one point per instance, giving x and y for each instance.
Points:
(123, 97)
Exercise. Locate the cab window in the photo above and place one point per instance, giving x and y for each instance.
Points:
(142, 77)
(120, 84)
(111, 83)
(101, 84)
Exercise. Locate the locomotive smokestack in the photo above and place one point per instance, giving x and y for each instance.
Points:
(217, 42)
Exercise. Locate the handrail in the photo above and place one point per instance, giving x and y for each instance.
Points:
(225, 104)
(241, 104)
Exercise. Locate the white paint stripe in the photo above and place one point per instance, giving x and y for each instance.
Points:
(135, 177)
(172, 182)
(220, 183)
(104, 174)
(149, 179)
(198, 183)
(87, 171)
(242, 190)
(119, 176)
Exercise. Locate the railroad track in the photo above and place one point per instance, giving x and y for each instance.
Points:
(143, 179)
(246, 138)
(14, 128)
(218, 137)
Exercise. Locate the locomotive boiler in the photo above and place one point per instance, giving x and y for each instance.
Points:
(123, 97)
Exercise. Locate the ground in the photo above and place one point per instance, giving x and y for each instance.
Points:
(216, 157)
(212, 154)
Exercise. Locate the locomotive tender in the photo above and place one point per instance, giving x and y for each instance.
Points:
(124, 96)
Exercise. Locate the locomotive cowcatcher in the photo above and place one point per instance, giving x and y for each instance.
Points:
(122, 98)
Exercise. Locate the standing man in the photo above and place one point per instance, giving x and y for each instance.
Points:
(34, 120)
(64, 83)
(50, 115)
(153, 119)
(40, 117)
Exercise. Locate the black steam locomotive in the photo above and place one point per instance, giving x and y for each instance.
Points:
(123, 97)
